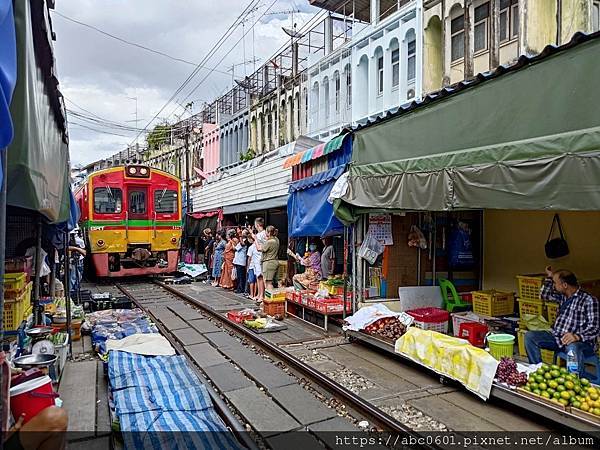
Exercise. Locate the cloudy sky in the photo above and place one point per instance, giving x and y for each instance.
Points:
(100, 76)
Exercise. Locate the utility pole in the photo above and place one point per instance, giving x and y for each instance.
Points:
(187, 169)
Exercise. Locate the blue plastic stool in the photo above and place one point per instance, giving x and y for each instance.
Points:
(593, 360)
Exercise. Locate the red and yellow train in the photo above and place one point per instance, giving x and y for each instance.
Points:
(131, 220)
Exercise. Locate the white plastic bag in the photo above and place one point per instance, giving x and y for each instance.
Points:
(370, 249)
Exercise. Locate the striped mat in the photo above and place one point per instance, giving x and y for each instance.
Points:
(160, 403)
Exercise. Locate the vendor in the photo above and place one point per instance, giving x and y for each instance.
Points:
(577, 324)
(46, 430)
(327, 258)
(312, 262)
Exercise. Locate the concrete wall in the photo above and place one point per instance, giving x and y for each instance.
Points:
(211, 147)
(538, 17)
(575, 17)
(514, 244)
(433, 54)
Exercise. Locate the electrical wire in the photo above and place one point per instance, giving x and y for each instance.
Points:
(214, 49)
(133, 44)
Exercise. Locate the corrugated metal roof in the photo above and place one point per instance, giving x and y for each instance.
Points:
(523, 62)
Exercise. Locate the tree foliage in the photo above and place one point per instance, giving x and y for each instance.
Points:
(158, 136)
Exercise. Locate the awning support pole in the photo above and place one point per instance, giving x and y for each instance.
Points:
(2, 260)
(345, 272)
(37, 314)
(67, 290)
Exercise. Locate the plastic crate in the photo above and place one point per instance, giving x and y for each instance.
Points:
(15, 281)
(547, 355)
(239, 316)
(529, 286)
(551, 312)
(464, 317)
(493, 303)
(533, 307)
(330, 305)
(275, 294)
(274, 308)
(521, 342)
(14, 309)
(432, 319)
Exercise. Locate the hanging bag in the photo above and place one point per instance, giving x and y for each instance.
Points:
(233, 273)
(556, 247)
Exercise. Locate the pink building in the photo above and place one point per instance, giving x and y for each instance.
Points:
(211, 146)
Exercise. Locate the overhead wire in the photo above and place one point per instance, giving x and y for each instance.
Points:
(133, 44)
(207, 57)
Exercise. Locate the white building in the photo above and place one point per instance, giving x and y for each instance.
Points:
(377, 68)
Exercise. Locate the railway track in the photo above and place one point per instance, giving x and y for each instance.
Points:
(166, 305)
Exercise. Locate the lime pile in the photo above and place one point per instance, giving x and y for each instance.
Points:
(558, 385)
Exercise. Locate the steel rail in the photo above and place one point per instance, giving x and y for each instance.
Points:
(238, 429)
(385, 421)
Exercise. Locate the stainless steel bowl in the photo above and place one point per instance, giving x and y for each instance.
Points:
(39, 332)
(31, 361)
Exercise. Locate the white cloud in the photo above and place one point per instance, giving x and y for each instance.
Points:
(99, 73)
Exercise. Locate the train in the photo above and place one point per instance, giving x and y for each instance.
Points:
(131, 221)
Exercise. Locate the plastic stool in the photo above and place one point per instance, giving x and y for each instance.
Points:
(451, 298)
(474, 332)
(593, 360)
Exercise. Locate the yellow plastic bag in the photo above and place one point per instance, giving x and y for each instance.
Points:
(534, 322)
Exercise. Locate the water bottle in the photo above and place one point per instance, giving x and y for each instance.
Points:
(572, 365)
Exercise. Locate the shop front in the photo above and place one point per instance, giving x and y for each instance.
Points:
(464, 186)
(318, 240)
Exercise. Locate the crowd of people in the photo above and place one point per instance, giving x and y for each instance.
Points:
(243, 259)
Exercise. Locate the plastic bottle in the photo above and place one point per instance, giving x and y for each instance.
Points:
(572, 363)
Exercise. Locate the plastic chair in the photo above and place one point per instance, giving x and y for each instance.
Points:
(452, 300)
(593, 360)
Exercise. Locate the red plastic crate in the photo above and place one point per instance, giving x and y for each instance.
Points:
(434, 319)
(239, 316)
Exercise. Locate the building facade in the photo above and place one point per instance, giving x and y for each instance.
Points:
(466, 37)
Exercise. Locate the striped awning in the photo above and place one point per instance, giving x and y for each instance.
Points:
(315, 152)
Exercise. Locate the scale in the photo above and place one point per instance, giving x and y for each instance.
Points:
(39, 344)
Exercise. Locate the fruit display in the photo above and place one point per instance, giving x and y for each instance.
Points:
(507, 372)
(559, 386)
(257, 323)
(388, 328)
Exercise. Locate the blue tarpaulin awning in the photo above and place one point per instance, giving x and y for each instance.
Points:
(8, 73)
(309, 212)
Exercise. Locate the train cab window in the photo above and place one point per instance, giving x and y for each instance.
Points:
(137, 202)
(108, 200)
(165, 201)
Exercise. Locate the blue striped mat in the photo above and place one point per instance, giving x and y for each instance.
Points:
(160, 403)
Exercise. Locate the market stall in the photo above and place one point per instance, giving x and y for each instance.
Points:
(320, 240)
(505, 178)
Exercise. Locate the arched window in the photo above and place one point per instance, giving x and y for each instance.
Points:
(379, 65)
(336, 81)
(326, 99)
(411, 56)
(457, 33)
(348, 74)
(315, 105)
(395, 53)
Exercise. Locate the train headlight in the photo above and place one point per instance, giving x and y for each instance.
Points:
(132, 171)
(100, 243)
(143, 171)
(174, 240)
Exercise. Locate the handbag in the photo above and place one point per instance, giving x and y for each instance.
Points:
(233, 274)
(556, 247)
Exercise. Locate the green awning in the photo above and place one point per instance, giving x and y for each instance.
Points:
(38, 175)
(527, 139)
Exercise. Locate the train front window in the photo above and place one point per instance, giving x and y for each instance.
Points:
(165, 201)
(108, 200)
(137, 202)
